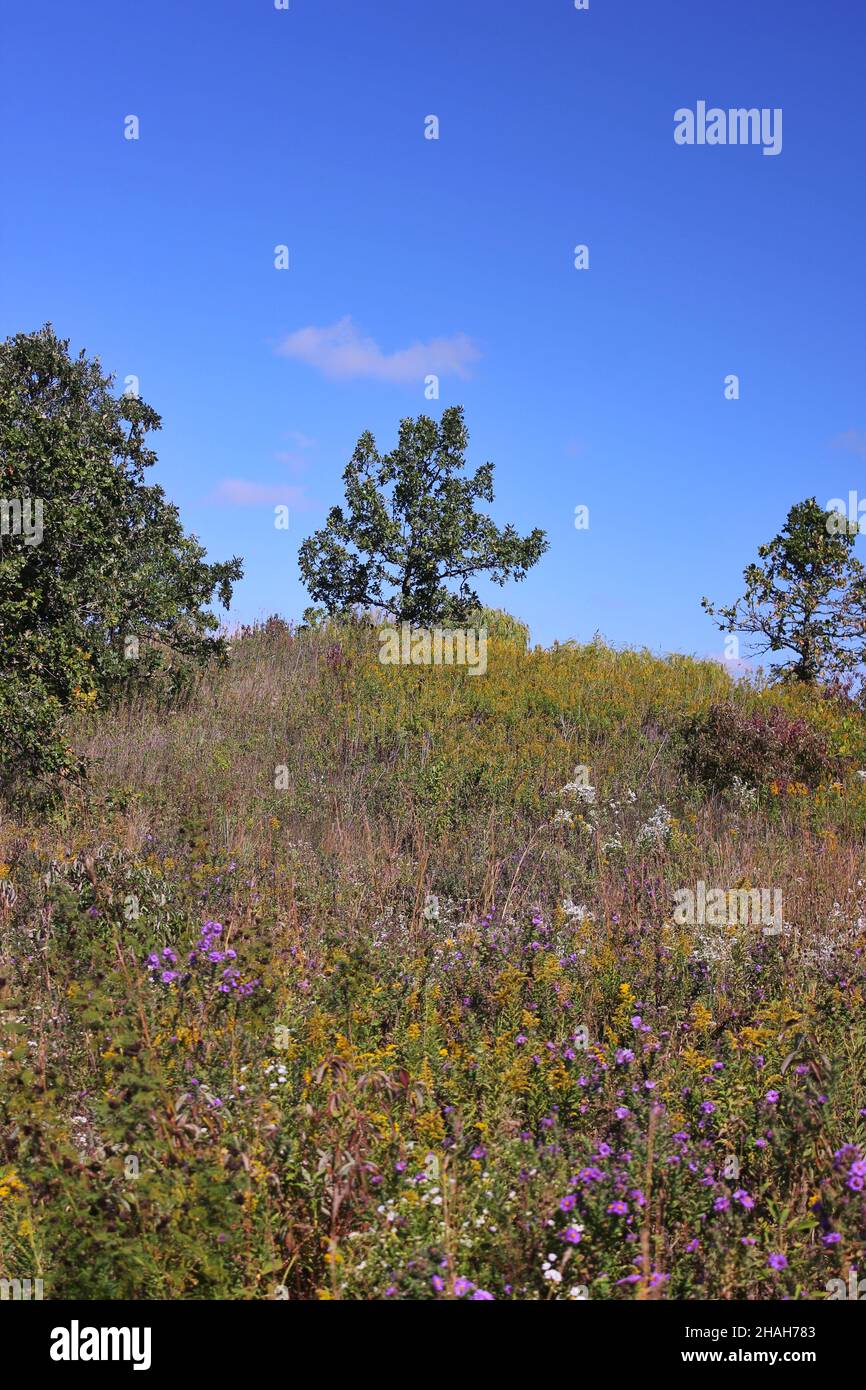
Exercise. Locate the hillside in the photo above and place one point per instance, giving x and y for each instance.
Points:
(337, 979)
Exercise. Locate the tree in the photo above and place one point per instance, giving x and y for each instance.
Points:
(807, 596)
(411, 529)
(95, 568)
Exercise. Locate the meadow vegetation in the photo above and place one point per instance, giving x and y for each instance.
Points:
(341, 980)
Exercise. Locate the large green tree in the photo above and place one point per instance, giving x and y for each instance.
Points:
(99, 584)
(806, 596)
(409, 539)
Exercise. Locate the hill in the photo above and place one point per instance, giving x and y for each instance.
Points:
(352, 980)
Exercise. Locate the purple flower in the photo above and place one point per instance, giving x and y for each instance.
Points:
(622, 1112)
(771, 1097)
(572, 1235)
(481, 1296)
(617, 1209)
(567, 1203)
(708, 1107)
(438, 1283)
(776, 1261)
(463, 1286)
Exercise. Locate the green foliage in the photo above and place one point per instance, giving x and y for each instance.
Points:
(808, 596)
(410, 530)
(500, 624)
(431, 908)
(111, 566)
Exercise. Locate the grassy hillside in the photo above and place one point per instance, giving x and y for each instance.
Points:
(328, 986)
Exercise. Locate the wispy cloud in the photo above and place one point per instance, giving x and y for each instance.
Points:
(239, 492)
(295, 462)
(301, 441)
(340, 351)
(854, 441)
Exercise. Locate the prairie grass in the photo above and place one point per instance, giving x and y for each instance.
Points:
(449, 1039)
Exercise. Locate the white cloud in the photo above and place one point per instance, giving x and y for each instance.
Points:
(852, 440)
(238, 492)
(340, 351)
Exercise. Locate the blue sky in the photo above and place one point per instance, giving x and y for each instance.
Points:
(602, 387)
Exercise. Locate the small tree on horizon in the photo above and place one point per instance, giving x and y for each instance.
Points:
(807, 595)
(410, 530)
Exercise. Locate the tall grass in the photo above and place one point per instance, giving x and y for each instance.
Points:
(463, 1047)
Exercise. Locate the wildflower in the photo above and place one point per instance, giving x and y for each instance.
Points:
(481, 1295)
(832, 1238)
(777, 1261)
(771, 1097)
(617, 1209)
(622, 1112)
(572, 1234)
(591, 1175)
(708, 1107)
(463, 1286)
(567, 1203)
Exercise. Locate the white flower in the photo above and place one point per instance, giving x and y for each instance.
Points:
(745, 795)
(576, 912)
(563, 817)
(657, 828)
